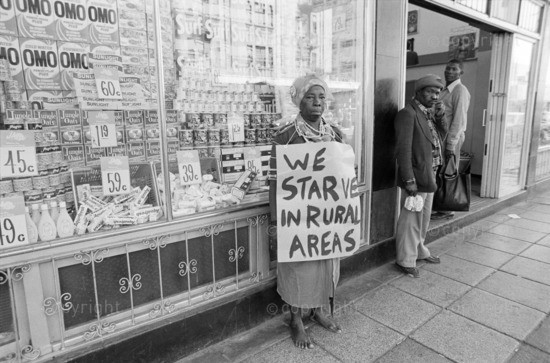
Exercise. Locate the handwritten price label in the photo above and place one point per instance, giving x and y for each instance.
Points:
(107, 83)
(102, 128)
(17, 154)
(235, 126)
(115, 175)
(189, 167)
(253, 160)
(13, 227)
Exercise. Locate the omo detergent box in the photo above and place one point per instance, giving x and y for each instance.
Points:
(36, 19)
(8, 24)
(73, 57)
(9, 50)
(40, 64)
(103, 20)
(71, 23)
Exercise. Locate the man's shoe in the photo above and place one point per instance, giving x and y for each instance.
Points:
(411, 271)
(432, 259)
(436, 216)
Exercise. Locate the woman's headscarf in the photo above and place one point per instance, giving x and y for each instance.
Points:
(302, 84)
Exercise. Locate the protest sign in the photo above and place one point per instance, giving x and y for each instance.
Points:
(318, 205)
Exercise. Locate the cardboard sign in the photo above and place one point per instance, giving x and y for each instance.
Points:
(17, 154)
(13, 227)
(235, 126)
(115, 175)
(102, 128)
(318, 205)
(253, 159)
(107, 83)
(189, 167)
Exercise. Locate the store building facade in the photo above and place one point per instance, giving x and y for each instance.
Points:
(144, 115)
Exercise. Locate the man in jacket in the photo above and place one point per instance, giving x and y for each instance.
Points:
(418, 129)
(456, 98)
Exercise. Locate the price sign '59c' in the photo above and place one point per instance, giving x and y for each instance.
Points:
(115, 175)
(17, 154)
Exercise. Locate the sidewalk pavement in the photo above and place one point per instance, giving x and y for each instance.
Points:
(488, 301)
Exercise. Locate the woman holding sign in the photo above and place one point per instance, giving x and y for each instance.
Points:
(306, 285)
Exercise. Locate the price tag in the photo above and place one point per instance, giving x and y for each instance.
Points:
(115, 175)
(107, 83)
(17, 154)
(253, 160)
(189, 167)
(235, 126)
(102, 128)
(13, 227)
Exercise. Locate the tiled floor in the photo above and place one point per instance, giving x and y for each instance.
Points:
(488, 301)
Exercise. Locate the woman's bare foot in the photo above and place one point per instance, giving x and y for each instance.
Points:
(298, 332)
(326, 322)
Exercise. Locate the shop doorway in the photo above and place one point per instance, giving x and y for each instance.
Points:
(432, 40)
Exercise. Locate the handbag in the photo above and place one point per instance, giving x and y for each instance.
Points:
(454, 187)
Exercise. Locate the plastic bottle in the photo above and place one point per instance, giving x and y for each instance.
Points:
(46, 226)
(54, 211)
(65, 224)
(35, 214)
(32, 231)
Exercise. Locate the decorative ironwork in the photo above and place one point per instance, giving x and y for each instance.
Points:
(51, 305)
(255, 278)
(9, 358)
(234, 255)
(30, 353)
(86, 257)
(157, 241)
(98, 330)
(18, 272)
(212, 230)
(185, 268)
(257, 220)
(3, 278)
(167, 307)
(220, 289)
(209, 293)
(126, 284)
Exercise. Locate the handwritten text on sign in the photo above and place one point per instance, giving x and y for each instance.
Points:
(115, 175)
(13, 227)
(318, 206)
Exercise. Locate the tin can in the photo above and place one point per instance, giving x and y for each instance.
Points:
(207, 120)
(247, 120)
(266, 120)
(54, 179)
(213, 152)
(255, 120)
(57, 157)
(262, 135)
(203, 152)
(224, 136)
(6, 186)
(22, 184)
(186, 137)
(193, 120)
(213, 136)
(41, 182)
(33, 196)
(44, 159)
(201, 137)
(250, 136)
(220, 120)
(49, 194)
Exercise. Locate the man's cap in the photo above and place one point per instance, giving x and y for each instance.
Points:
(301, 85)
(430, 80)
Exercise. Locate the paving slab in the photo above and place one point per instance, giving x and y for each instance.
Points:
(545, 241)
(481, 226)
(539, 253)
(432, 287)
(535, 216)
(517, 233)
(498, 218)
(362, 339)
(518, 289)
(540, 337)
(528, 354)
(446, 243)
(526, 204)
(412, 352)
(285, 351)
(463, 340)
(529, 224)
(467, 272)
(354, 288)
(528, 268)
(501, 243)
(542, 208)
(396, 309)
(385, 273)
(498, 313)
(481, 255)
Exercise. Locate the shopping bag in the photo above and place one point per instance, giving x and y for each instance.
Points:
(453, 187)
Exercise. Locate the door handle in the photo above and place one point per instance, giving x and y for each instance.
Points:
(484, 117)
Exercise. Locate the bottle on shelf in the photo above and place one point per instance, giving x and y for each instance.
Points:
(32, 231)
(65, 224)
(46, 226)
(54, 211)
(35, 214)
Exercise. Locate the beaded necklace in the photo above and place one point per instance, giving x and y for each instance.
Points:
(304, 129)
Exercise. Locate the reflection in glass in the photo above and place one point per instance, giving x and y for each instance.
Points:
(543, 154)
(515, 116)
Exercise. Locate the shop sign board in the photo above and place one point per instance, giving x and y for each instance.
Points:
(318, 205)
(17, 154)
(13, 227)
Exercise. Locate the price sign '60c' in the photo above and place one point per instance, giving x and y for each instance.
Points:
(17, 154)
(115, 175)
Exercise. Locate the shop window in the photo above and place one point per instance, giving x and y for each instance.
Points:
(530, 15)
(507, 10)
(477, 5)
